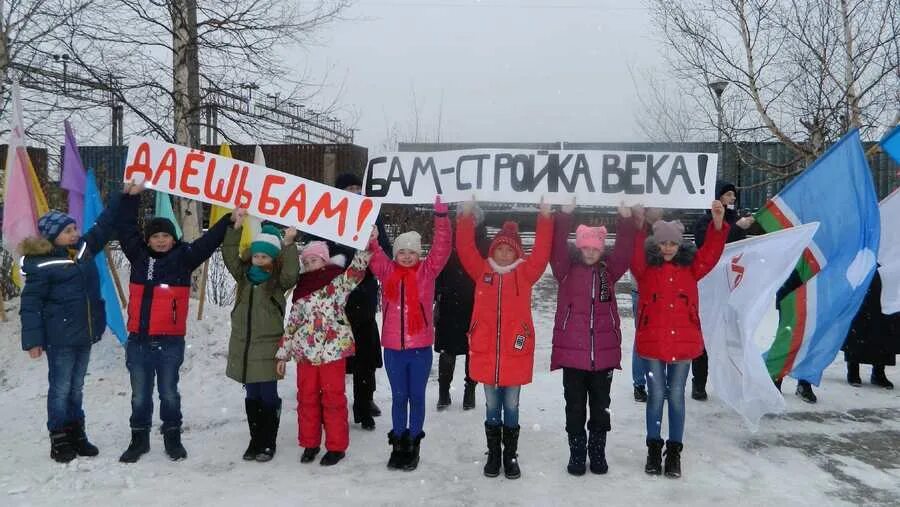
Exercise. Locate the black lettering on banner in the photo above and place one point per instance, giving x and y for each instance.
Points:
(419, 167)
(460, 184)
(653, 172)
(631, 172)
(582, 168)
(679, 169)
(396, 174)
(611, 168)
(551, 172)
(375, 187)
(507, 161)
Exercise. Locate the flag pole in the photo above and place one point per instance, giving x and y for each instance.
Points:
(203, 278)
(3, 303)
(115, 276)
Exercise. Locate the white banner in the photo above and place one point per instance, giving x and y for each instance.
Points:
(272, 195)
(734, 298)
(889, 253)
(598, 178)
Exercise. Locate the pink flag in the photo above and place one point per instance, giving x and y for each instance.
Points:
(73, 177)
(19, 212)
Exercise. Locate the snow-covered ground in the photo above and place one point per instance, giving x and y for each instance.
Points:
(844, 450)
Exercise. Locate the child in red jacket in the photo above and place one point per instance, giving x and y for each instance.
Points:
(667, 270)
(501, 335)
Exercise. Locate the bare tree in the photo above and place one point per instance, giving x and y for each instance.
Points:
(801, 72)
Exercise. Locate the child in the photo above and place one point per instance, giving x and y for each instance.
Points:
(318, 336)
(263, 274)
(62, 313)
(587, 342)
(501, 337)
(407, 285)
(667, 270)
(159, 294)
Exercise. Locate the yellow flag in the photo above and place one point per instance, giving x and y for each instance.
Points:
(218, 212)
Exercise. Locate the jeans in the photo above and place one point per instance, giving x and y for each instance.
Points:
(582, 388)
(408, 372)
(67, 367)
(505, 398)
(265, 392)
(665, 381)
(638, 366)
(161, 359)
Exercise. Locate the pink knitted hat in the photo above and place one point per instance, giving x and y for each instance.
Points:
(316, 249)
(590, 237)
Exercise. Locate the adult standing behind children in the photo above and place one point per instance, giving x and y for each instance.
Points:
(159, 296)
(63, 315)
(264, 272)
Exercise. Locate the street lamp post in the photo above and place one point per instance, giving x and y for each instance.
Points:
(718, 87)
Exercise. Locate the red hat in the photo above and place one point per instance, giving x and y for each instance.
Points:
(508, 235)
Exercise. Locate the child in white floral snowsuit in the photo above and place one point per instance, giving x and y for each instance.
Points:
(319, 338)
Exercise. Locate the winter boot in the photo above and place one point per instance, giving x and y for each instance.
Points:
(444, 400)
(469, 395)
(805, 391)
(510, 455)
(597, 452)
(698, 390)
(271, 418)
(879, 379)
(398, 451)
(412, 452)
(640, 394)
(331, 458)
(853, 374)
(309, 454)
(254, 422)
(140, 445)
(492, 464)
(362, 414)
(374, 410)
(83, 447)
(446, 365)
(673, 459)
(61, 448)
(577, 454)
(172, 443)
(654, 456)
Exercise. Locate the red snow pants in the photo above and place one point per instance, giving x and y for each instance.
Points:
(321, 401)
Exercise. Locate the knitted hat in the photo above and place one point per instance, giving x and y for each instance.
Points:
(347, 180)
(411, 240)
(52, 223)
(723, 187)
(267, 241)
(316, 249)
(590, 237)
(668, 231)
(160, 224)
(508, 235)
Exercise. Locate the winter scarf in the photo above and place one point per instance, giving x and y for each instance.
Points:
(258, 275)
(415, 321)
(312, 281)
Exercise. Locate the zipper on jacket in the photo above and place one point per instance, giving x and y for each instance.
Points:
(593, 297)
(90, 314)
(174, 311)
(402, 316)
(568, 314)
(249, 330)
(499, 319)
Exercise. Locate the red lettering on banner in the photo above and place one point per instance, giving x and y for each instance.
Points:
(323, 206)
(140, 164)
(267, 204)
(189, 170)
(364, 209)
(219, 193)
(243, 198)
(296, 200)
(168, 165)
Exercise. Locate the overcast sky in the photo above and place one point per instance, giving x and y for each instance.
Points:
(508, 70)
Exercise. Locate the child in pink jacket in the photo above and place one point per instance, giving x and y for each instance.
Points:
(407, 329)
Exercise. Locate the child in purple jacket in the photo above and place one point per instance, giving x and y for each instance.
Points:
(587, 343)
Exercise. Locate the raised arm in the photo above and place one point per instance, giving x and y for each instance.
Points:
(623, 249)
(231, 256)
(353, 275)
(536, 263)
(639, 256)
(713, 245)
(203, 247)
(466, 250)
(104, 229)
(441, 246)
(290, 266)
(560, 260)
(130, 238)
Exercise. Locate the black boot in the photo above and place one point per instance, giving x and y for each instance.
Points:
(510, 453)
(444, 400)
(673, 459)
(805, 391)
(172, 443)
(254, 420)
(412, 452)
(362, 414)
(577, 454)
(140, 445)
(654, 457)
(331, 458)
(398, 450)
(271, 418)
(61, 448)
(469, 395)
(309, 454)
(83, 447)
(597, 452)
(853, 374)
(492, 464)
(698, 391)
(879, 379)
(640, 394)
(446, 365)
(374, 410)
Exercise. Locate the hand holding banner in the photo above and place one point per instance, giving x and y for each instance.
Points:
(272, 195)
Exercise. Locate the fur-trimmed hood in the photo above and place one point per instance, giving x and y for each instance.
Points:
(35, 246)
(685, 256)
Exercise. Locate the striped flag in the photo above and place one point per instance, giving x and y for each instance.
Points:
(828, 284)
